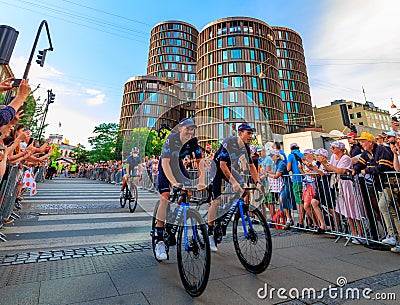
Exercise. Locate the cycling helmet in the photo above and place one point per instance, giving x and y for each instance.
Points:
(135, 150)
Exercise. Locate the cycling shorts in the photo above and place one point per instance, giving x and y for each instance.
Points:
(217, 182)
(163, 183)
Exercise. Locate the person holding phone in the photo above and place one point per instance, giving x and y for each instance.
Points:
(9, 112)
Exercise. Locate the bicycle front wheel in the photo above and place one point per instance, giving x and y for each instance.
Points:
(193, 254)
(122, 200)
(134, 198)
(254, 251)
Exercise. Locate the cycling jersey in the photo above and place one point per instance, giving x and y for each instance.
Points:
(133, 162)
(175, 151)
(230, 152)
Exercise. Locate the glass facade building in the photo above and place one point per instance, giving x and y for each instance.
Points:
(173, 54)
(295, 90)
(149, 101)
(238, 79)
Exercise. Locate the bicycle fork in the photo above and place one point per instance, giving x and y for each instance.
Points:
(242, 216)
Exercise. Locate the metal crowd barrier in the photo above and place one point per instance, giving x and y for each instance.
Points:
(39, 175)
(8, 193)
(365, 210)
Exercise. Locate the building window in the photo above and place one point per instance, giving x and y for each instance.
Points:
(232, 67)
(153, 97)
(151, 122)
(248, 67)
(359, 115)
(252, 54)
(221, 131)
(250, 96)
(256, 42)
(256, 113)
(225, 81)
(280, 73)
(238, 112)
(225, 55)
(246, 41)
(146, 109)
(352, 116)
(226, 113)
(220, 98)
(231, 41)
(233, 97)
(236, 53)
(283, 95)
(285, 118)
(291, 95)
(237, 81)
(254, 82)
(219, 43)
(219, 68)
(260, 97)
(141, 96)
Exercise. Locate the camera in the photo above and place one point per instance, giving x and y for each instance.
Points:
(347, 176)
(16, 82)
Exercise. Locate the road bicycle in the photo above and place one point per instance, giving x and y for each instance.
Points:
(250, 232)
(193, 245)
(130, 195)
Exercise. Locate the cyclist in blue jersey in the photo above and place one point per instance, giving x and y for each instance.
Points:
(172, 172)
(225, 166)
(133, 165)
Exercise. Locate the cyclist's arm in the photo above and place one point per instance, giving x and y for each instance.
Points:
(227, 173)
(200, 170)
(127, 172)
(168, 171)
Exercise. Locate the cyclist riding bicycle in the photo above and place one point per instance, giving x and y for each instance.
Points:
(132, 168)
(226, 166)
(172, 172)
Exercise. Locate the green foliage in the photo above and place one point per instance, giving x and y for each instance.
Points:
(80, 154)
(149, 142)
(56, 152)
(105, 143)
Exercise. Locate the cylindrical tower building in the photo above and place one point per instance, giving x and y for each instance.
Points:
(149, 101)
(295, 90)
(238, 78)
(173, 54)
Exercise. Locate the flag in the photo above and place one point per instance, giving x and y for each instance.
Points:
(59, 124)
(208, 147)
(29, 182)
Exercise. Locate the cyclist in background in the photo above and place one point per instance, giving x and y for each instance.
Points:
(132, 169)
(172, 172)
(226, 166)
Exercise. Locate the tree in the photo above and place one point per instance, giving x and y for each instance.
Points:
(149, 142)
(104, 143)
(80, 154)
(56, 152)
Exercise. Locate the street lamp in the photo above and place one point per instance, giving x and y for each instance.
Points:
(50, 99)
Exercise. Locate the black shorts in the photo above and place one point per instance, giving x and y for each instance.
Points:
(217, 182)
(181, 177)
(325, 194)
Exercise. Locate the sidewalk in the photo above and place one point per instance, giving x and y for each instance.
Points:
(299, 261)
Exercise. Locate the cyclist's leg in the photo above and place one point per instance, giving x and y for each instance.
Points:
(164, 190)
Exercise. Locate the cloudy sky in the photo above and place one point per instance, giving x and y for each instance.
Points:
(99, 44)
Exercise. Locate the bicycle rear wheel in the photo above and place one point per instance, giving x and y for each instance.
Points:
(254, 252)
(195, 260)
(133, 199)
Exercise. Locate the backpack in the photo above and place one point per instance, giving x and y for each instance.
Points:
(279, 220)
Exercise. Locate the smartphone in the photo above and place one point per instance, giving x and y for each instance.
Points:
(16, 82)
(30, 141)
(23, 107)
